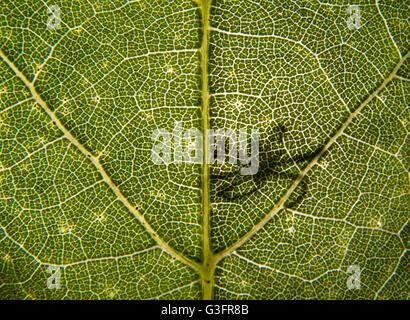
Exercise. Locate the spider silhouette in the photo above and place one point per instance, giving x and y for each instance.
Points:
(274, 161)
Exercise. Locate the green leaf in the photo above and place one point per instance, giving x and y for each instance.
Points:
(325, 84)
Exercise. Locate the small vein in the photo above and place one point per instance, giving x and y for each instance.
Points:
(391, 276)
(387, 28)
(295, 42)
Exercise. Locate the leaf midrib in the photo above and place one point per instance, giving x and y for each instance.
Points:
(208, 265)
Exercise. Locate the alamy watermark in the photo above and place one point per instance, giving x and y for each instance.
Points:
(353, 21)
(186, 146)
(353, 281)
(54, 21)
(54, 281)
